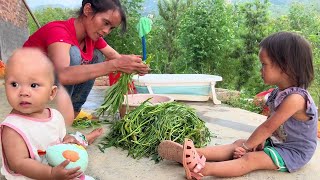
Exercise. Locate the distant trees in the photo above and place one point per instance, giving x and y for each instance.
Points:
(170, 13)
(254, 17)
(205, 36)
(211, 37)
(129, 42)
(49, 14)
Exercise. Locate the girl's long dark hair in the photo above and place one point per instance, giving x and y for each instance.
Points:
(293, 54)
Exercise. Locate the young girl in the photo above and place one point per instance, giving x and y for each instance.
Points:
(286, 141)
(31, 127)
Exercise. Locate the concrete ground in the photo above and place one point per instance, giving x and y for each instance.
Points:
(227, 123)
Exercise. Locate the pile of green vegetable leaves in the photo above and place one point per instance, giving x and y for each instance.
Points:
(83, 123)
(142, 129)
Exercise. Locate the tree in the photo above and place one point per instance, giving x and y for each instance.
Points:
(169, 12)
(205, 36)
(49, 14)
(164, 36)
(254, 29)
(129, 42)
(305, 20)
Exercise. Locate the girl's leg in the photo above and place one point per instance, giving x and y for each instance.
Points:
(173, 151)
(238, 167)
(221, 152)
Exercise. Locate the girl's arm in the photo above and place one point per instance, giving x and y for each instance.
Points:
(59, 53)
(18, 159)
(291, 105)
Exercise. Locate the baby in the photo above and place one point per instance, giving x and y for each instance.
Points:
(31, 126)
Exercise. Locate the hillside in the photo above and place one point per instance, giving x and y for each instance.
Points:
(51, 6)
(281, 7)
(279, 2)
(278, 7)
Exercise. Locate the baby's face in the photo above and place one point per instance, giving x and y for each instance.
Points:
(29, 85)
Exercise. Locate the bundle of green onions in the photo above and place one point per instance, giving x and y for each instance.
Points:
(114, 96)
(142, 129)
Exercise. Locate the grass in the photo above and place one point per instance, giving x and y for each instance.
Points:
(246, 103)
(83, 123)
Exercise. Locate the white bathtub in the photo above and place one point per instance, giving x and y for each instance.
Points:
(185, 87)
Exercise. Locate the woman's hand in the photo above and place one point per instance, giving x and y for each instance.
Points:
(130, 64)
(60, 173)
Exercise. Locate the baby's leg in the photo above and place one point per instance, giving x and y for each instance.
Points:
(238, 167)
(221, 152)
(93, 135)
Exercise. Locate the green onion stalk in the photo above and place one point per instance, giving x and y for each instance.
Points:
(143, 128)
(114, 96)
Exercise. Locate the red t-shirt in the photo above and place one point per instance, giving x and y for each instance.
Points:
(62, 31)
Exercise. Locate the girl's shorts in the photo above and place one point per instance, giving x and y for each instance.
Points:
(275, 156)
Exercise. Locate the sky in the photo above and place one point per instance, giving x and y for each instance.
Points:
(67, 3)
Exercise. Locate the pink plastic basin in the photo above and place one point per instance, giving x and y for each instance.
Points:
(134, 100)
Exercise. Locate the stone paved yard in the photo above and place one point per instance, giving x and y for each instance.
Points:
(227, 123)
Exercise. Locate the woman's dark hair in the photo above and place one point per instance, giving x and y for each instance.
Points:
(99, 6)
(293, 54)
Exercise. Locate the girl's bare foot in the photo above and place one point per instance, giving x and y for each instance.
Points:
(93, 135)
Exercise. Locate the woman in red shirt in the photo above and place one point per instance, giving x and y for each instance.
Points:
(79, 52)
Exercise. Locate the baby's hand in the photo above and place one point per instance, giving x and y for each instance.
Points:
(70, 140)
(239, 152)
(60, 173)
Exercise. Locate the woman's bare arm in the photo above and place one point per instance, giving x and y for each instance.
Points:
(69, 75)
(59, 53)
